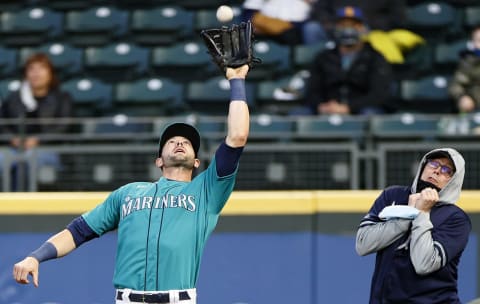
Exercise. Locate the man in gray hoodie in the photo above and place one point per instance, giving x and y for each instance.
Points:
(419, 234)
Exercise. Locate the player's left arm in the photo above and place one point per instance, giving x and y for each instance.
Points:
(431, 248)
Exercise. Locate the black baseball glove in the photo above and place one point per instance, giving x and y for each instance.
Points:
(231, 46)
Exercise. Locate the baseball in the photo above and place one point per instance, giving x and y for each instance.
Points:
(224, 13)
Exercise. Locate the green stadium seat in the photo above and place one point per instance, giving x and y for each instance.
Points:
(428, 94)
(303, 55)
(67, 59)
(149, 97)
(8, 62)
(472, 16)
(195, 4)
(186, 61)
(268, 127)
(96, 26)
(331, 127)
(7, 86)
(406, 125)
(433, 20)
(275, 60)
(212, 95)
(91, 96)
(447, 55)
(281, 95)
(206, 18)
(117, 61)
(119, 124)
(30, 26)
(161, 25)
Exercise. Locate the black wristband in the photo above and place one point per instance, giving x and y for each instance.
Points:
(45, 252)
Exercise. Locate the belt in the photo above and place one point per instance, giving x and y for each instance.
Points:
(153, 297)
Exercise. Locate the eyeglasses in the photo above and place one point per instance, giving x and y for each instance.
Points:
(443, 169)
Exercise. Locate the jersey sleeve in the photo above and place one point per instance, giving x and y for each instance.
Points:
(217, 188)
(106, 216)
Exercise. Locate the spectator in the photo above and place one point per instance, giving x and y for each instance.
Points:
(418, 234)
(465, 85)
(385, 19)
(38, 97)
(351, 78)
(285, 21)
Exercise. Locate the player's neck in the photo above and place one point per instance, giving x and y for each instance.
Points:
(177, 173)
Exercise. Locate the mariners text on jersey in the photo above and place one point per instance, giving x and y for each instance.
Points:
(167, 201)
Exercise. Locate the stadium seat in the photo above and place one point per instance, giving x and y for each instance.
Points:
(195, 4)
(117, 61)
(268, 127)
(96, 26)
(331, 127)
(149, 97)
(275, 60)
(206, 18)
(7, 86)
(92, 97)
(66, 59)
(303, 55)
(405, 125)
(212, 95)
(186, 60)
(119, 124)
(161, 25)
(30, 26)
(472, 16)
(433, 20)
(428, 94)
(281, 95)
(68, 5)
(8, 62)
(447, 55)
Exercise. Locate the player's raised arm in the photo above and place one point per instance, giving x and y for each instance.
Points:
(231, 50)
(238, 121)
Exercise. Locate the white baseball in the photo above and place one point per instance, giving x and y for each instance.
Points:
(224, 13)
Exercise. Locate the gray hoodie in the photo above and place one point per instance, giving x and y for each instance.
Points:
(426, 254)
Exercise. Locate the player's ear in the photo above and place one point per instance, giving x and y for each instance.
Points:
(196, 163)
(159, 162)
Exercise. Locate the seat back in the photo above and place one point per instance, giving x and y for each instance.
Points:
(428, 94)
(30, 26)
(186, 61)
(8, 62)
(161, 25)
(92, 97)
(149, 97)
(117, 61)
(96, 25)
(67, 59)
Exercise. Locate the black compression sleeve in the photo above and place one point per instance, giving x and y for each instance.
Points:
(80, 231)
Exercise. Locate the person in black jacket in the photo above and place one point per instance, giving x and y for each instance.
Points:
(39, 97)
(418, 234)
(351, 78)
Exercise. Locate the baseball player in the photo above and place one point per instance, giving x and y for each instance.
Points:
(162, 226)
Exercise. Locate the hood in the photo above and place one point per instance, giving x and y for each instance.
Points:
(451, 192)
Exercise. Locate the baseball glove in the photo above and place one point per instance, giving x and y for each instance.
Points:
(231, 46)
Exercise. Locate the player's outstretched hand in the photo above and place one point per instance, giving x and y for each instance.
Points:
(24, 268)
(240, 72)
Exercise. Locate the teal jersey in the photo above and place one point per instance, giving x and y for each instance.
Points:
(162, 228)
